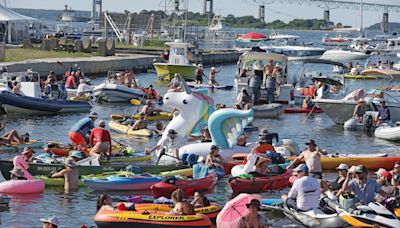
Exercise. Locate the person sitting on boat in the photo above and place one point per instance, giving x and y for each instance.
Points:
(70, 82)
(244, 98)
(168, 145)
(307, 103)
(312, 158)
(83, 88)
(305, 192)
(213, 76)
(214, 160)
(151, 93)
(396, 174)
(50, 222)
(253, 218)
(204, 137)
(384, 180)
(359, 110)
(241, 141)
(244, 72)
(17, 174)
(82, 129)
(261, 165)
(175, 84)
(120, 78)
(363, 187)
(159, 128)
(104, 202)
(200, 200)
(337, 184)
(383, 114)
(149, 110)
(199, 74)
(70, 173)
(27, 154)
(100, 139)
(141, 123)
(181, 207)
(15, 88)
(165, 56)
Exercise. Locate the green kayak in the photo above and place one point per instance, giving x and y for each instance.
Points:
(181, 172)
(55, 182)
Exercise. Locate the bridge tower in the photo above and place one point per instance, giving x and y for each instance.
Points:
(97, 4)
(209, 9)
(261, 13)
(385, 22)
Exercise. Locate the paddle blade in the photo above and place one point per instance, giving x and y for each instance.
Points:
(135, 102)
(117, 117)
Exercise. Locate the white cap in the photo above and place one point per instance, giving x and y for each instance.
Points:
(352, 169)
(212, 68)
(342, 166)
(52, 220)
(380, 171)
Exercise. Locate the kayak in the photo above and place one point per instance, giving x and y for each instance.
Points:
(15, 146)
(302, 110)
(371, 161)
(79, 98)
(260, 184)
(116, 183)
(55, 182)
(238, 169)
(146, 219)
(128, 130)
(161, 116)
(37, 169)
(181, 172)
(224, 87)
(135, 157)
(188, 186)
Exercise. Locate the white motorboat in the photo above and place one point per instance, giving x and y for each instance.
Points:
(344, 55)
(112, 92)
(388, 132)
(390, 46)
(354, 124)
(268, 110)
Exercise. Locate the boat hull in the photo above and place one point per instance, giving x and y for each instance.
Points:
(388, 133)
(116, 93)
(166, 71)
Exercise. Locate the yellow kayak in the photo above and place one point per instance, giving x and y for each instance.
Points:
(128, 129)
(79, 98)
(161, 116)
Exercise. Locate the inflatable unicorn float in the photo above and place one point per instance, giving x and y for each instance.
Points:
(196, 110)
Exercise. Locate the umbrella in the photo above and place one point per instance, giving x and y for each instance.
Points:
(252, 37)
(234, 210)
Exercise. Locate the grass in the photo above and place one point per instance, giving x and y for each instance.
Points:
(21, 54)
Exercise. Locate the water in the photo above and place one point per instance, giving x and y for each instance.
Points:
(77, 208)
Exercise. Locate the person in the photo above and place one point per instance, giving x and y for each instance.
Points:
(253, 219)
(70, 173)
(100, 139)
(168, 145)
(305, 192)
(149, 110)
(396, 174)
(265, 140)
(70, 82)
(337, 184)
(204, 137)
(269, 68)
(129, 79)
(151, 93)
(141, 123)
(213, 75)
(81, 129)
(363, 187)
(214, 160)
(244, 72)
(181, 207)
(270, 86)
(359, 110)
(159, 128)
(13, 137)
(383, 114)
(241, 141)
(27, 154)
(312, 157)
(104, 202)
(244, 98)
(261, 165)
(307, 103)
(17, 174)
(200, 200)
(50, 222)
(254, 84)
(384, 180)
(82, 88)
(199, 74)
(175, 84)
(15, 88)
(165, 55)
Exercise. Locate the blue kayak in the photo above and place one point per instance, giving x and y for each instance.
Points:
(115, 183)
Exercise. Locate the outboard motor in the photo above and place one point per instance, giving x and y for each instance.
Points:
(367, 121)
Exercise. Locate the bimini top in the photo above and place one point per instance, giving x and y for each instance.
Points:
(264, 56)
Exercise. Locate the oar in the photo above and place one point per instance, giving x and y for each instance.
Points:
(135, 102)
(61, 64)
(311, 111)
(162, 153)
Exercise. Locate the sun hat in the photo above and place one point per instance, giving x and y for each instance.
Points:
(93, 114)
(17, 172)
(301, 167)
(255, 202)
(27, 150)
(52, 220)
(380, 171)
(342, 167)
(76, 153)
(172, 132)
(261, 159)
(311, 142)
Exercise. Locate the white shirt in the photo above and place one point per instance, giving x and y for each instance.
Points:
(83, 87)
(306, 191)
(169, 146)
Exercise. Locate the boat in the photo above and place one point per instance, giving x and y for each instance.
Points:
(302, 110)
(256, 62)
(260, 184)
(21, 104)
(55, 182)
(177, 63)
(391, 46)
(19, 146)
(388, 132)
(354, 124)
(70, 15)
(385, 73)
(116, 126)
(371, 161)
(115, 183)
(207, 86)
(146, 219)
(160, 116)
(111, 92)
(268, 110)
(344, 55)
(189, 187)
(338, 40)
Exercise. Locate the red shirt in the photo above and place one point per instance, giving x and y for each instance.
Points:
(70, 83)
(100, 134)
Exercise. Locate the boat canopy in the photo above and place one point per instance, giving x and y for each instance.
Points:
(258, 60)
(323, 61)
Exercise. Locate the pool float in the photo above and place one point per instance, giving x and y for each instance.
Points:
(116, 126)
(19, 146)
(260, 184)
(116, 183)
(188, 186)
(144, 219)
(160, 116)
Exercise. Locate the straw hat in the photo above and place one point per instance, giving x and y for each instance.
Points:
(27, 150)
(261, 159)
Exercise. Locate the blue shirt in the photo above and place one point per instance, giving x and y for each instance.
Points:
(83, 126)
(365, 193)
(384, 114)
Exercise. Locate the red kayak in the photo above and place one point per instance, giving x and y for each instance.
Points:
(189, 187)
(302, 110)
(260, 184)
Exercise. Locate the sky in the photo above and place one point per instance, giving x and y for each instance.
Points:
(274, 11)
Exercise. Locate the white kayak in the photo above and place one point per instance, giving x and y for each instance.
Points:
(111, 92)
(268, 110)
(388, 132)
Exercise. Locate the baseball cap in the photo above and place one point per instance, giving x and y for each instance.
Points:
(342, 167)
(52, 220)
(360, 169)
(301, 167)
(387, 174)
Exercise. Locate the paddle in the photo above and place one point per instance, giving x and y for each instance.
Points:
(141, 101)
(61, 64)
(162, 153)
(311, 111)
(135, 101)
